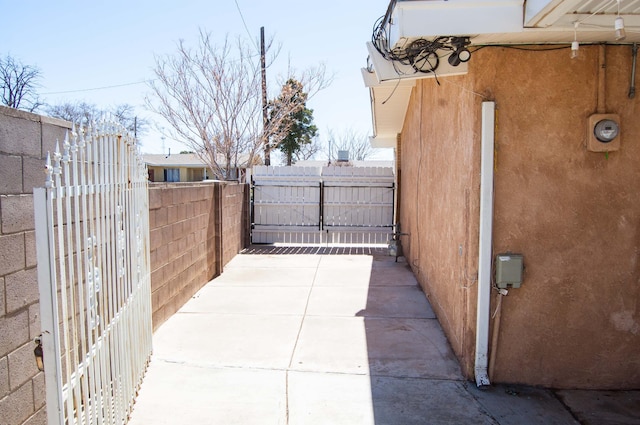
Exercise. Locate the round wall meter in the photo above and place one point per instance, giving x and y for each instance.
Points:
(606, 130)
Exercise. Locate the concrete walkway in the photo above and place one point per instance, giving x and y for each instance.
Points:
(308, 336)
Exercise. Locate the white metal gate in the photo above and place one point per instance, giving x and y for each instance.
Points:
(92, 235)
(318, 205)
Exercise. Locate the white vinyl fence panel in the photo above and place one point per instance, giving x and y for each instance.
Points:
(92, 233)
(317, 205)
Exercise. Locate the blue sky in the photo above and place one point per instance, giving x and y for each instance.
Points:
(87, 45)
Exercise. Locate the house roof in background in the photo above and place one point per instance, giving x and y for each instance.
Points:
(188, 160)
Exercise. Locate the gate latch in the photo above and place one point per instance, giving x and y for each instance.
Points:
(38, 353)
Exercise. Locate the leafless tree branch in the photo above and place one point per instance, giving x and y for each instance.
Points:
(210, 95)
(19, 83)
(356, 143)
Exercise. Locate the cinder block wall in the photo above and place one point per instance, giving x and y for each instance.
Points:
(235, 220)
(195, 229)
(24, 141)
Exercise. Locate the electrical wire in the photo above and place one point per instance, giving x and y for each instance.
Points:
(99, 88)
(421, 54)
(246, 27)
(524, 47)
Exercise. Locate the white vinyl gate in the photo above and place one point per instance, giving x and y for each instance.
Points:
(322, 205)
(92, 235)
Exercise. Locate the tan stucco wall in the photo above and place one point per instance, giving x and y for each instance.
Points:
(573, 214)
(439, 203)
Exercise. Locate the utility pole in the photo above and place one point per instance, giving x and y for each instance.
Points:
(265, 115)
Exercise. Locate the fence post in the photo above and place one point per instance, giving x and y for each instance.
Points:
(246, 215)
(50, 338)
(217, 225)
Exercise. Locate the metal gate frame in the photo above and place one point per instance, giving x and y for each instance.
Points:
(92, 238)
(332, 214)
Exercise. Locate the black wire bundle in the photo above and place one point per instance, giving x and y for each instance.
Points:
(421, 54)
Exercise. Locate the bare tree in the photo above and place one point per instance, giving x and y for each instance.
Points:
(83, 113)
(308, 150)
(18, 83)
(79, 112)
(356, 143)
(210, 96)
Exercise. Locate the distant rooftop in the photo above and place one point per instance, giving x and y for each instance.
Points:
(189, 160)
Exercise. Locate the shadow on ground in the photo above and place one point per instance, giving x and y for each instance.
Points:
(321, 335)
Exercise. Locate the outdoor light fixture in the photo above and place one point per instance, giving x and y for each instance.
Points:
(619, 27)
(38, 353)
(575, 46)
(461, 54)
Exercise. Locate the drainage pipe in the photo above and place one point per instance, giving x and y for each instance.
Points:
(602, 79)
(632, 86)
(485, 248)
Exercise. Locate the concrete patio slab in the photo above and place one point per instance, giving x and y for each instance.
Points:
(274, 261)
(184, 394)
(343, 277)
(240, 275)
(337, 301)
(227, 340)
(327, 398)
(272, 300)
(346, 261)
(519, 405)
(331, 339)
(412, 348)
(399, 302)
(603, 407)
(332, 344)
(425, 401)
(397, 275)
(387, 347)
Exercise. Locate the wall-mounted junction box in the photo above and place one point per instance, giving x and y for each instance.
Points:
(509, 270)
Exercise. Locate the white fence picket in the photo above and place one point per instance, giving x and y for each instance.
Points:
(92, 232)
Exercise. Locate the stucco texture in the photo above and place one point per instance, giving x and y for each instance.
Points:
(573, 214)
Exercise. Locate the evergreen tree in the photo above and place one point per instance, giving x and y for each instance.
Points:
(297, 128)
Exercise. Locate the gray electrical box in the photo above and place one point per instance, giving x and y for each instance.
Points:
(509, 270)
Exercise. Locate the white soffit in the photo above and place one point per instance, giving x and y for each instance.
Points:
(389, 102)
(544, 13)
(432, 18)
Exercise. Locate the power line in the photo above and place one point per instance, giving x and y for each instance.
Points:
(245, 25)
(99, 88)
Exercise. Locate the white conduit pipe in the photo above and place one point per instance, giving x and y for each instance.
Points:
(485, 249)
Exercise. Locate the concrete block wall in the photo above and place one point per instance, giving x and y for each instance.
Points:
(195, 229)
(235, 220)
(25, 139)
